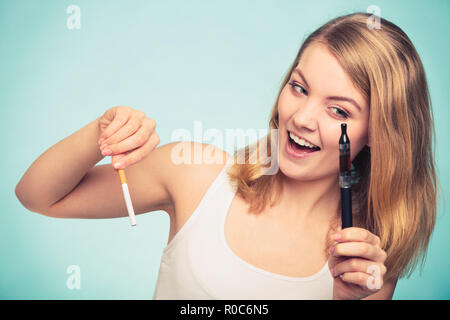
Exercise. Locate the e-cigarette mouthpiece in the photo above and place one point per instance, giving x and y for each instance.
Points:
(344, 158)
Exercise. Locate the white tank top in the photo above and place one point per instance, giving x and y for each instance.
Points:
(199, 264)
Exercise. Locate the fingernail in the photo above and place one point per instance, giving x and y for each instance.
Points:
(101, 140)
(103, 146)
(117, 165)
(107, 152)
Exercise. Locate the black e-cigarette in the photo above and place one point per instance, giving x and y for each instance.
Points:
(345, 177)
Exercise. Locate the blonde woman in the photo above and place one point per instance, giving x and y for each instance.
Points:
(237, 233)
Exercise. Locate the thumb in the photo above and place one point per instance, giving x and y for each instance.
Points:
(333, 261)
(116, 159)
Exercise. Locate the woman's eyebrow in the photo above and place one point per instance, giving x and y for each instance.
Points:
(345, 99)
(339, 98)
(302, 76)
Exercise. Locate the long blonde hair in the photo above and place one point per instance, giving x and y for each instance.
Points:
(396, 196)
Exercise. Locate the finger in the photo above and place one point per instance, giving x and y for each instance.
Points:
(358, 265)
(356, 234)
(359, 249)
(124, 132)
(134, 141)
(119, 121)
(366, 281)
(129, 144)
(117, 158)
(333, 261)
(138, 154)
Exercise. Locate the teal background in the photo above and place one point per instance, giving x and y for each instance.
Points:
(220, 62)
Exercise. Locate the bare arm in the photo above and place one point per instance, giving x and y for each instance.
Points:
(60, 168)
(65, 183)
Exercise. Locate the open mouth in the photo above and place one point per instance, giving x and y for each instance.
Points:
(300, 149)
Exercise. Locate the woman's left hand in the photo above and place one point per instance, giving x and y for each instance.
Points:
(356, 263)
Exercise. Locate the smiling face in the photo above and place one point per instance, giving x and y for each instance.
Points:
(312, 106)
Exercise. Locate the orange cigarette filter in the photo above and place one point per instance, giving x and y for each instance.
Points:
(123, 179)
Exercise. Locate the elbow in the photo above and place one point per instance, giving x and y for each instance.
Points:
(21, 197)
(26, 201)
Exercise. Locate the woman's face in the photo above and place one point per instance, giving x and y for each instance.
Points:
(311, 107)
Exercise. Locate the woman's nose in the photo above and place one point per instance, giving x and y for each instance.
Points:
(307, 115)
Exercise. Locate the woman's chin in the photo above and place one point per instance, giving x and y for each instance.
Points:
(294, 171)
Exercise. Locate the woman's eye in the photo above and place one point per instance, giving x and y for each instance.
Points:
(296, 86)
(340, 113)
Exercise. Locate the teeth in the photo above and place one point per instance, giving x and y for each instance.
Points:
(301, 141)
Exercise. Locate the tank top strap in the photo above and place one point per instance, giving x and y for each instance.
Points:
(212, 198)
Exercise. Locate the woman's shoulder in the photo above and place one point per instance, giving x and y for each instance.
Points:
(190, 170)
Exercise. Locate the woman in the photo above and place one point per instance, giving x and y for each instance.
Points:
(276, 236)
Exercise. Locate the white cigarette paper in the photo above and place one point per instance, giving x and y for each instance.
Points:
(126, 195)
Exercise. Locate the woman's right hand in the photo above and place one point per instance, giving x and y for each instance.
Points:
(128, 135)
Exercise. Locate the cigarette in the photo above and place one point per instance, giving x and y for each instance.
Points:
(126, 195)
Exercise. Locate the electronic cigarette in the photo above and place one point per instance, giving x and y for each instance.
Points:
(345, 177)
